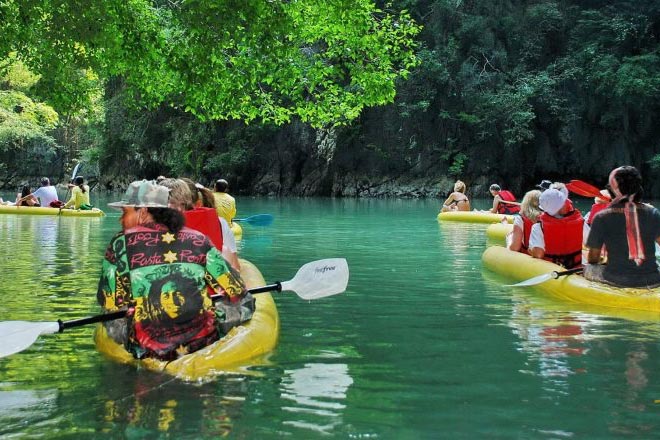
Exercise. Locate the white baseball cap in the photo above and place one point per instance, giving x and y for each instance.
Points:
(144, 194)
(552, 200)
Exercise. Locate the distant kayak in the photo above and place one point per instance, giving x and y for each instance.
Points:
(518, 267)
(31, 210)
(473, 217)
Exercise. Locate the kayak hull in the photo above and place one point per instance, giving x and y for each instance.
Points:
(497, 232)
(518, 267)
(30, 210)
(473, 217)
(232, 353)
(237, 230)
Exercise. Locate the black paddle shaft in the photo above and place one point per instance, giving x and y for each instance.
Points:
(91, 320)
(556, 274)
(122, 313)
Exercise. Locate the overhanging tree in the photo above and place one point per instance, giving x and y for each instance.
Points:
(322, 61)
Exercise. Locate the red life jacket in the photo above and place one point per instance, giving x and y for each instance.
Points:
(595, 209)
(507, 208)
(563, 238)
(205, 220)
(527, 230)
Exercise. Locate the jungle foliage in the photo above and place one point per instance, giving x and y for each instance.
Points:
(492, 90)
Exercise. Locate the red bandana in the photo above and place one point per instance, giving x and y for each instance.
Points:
(635, 245)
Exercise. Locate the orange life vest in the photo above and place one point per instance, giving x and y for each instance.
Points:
(595, 209)
(563, 238)
(205, 220)
(527, 230)
(507, 208)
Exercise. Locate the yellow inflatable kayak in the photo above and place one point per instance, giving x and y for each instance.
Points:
(519, 267)
(30, 210)
(237, 229)
(497, 232)
(243, 343)
(473, 217)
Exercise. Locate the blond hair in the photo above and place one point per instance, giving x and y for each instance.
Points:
(529, 207)
(459, 186)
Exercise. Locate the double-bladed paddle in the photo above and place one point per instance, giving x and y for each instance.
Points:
(256, 220)
(314, 280)
(585, 189)
(545, 277)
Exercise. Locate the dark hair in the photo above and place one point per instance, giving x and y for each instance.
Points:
(221, 185)
(630, 182)
(25, 190)
(45, 181)
(494, 187)
(185, 284)
(172, 219)
(79, 181)
(208, 201)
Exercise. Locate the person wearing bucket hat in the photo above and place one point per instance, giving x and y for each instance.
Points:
(504, 202)
(557, 237)
(163, 273)
(629, 230)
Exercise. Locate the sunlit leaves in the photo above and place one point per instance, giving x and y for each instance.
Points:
(320, 61)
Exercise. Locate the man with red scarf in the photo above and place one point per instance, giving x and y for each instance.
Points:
(629, 230)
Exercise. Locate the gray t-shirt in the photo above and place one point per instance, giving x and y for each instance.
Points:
(609, 229)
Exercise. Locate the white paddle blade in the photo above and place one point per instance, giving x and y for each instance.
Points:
(16, 336)
(319, 279)
(532, 281)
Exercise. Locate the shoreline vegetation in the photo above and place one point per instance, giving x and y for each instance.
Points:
(486, 92)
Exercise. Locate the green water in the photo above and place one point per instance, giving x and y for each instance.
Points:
(424, 344)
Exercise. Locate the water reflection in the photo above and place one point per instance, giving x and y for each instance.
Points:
(21, 407)
(151, 405)
(319, 391)
(551, 339)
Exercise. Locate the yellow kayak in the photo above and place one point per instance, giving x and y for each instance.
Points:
(30, 210)
(519, 267)
(473, 217)
(237, 229)
(497, 232)
(242, 344)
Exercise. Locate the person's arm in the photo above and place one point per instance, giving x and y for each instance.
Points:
(593, 256)
(72, 200)
(222, 278)
(447, 202)
(537, 242)
(595, 241)
(232, 211)
(111, 293)
(229, 245)
(516, 238)
(496, 202)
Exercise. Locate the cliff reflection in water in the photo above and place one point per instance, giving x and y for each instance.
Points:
(318, 390)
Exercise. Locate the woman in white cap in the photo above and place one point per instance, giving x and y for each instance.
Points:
(162, 273)
(629, 230)
(557, 236)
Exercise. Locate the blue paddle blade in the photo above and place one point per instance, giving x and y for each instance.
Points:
(257, 220)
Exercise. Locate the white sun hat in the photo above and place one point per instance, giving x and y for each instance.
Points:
(552, 200)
